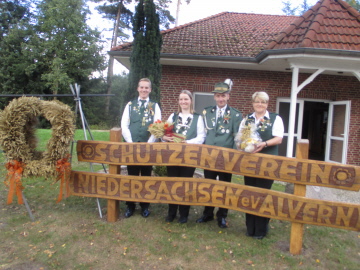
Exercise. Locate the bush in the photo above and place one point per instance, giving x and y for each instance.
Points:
(160, 170)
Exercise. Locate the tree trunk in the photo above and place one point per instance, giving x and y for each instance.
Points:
(177, 12)
(110, 71)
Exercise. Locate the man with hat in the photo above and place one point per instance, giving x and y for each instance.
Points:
(221, 124)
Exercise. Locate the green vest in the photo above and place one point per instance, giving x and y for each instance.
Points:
(139, 122)
(222, 134)
(265, 131)
(190, 131)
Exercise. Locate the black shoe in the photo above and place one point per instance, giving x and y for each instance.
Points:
(248, 235)
(258, 237)
(145, 212)
(129, 212)
(205, 219)
(170, 218)
(182, 219)
(222, 223)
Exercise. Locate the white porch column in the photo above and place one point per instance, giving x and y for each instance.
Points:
(293, 98)
(357, 75)
(295, 89)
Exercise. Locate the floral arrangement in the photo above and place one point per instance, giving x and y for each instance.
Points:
(247, 138)
(160, 128)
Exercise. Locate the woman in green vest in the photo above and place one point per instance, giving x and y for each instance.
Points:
(191, 125)
(271, 130)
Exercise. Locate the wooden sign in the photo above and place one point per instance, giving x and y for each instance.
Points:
(196, 191)
(298, 171)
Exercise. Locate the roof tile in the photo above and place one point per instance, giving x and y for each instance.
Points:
(329, 24)
(223, 34)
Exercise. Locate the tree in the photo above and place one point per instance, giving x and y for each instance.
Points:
(15, 34)
(304, 6)
(288, 9)
(120, 85)
(145, 55)
(117, 11)
(178, 10)
(354, 3)
(11, 13)
(42, 52)
(66, 49)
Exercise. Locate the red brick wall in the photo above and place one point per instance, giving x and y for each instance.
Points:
(276, 84)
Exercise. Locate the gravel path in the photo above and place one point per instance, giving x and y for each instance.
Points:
(331, 194)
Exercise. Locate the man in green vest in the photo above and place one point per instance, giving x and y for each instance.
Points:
(137, 116)
(221, 124)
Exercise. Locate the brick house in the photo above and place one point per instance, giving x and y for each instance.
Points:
(309, 65)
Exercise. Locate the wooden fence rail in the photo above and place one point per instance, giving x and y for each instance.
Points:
(195, 191)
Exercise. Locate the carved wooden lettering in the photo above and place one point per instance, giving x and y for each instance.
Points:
(299, 171)
(195, 191)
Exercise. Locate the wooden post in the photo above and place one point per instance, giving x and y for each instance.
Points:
(113, 205)
(297, 229)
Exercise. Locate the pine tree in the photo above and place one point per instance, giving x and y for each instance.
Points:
(12, 13)
(304, 7)
(288, 9)
(145, 55)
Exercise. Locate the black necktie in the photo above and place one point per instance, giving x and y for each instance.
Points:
(220, 118)
(142, 107)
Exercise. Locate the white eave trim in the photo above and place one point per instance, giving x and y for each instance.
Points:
(308, 59)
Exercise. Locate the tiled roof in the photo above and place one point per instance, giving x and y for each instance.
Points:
(329, 24)
(224, 34)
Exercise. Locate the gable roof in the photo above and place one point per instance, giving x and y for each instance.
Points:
(326, 37)
(329, 24)
(223, 34)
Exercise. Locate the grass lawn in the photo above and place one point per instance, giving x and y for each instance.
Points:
(71, 235)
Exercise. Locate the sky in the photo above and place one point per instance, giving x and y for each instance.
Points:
(199, 9)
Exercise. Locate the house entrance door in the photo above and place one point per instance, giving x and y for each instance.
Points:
(283, 109)
(325, 124)
(337, 131)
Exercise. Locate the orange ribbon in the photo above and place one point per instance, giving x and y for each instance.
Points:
(13, 180)
(63, 167)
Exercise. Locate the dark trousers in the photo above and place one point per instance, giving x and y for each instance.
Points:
(143, 171)
(179, 171)
(209, 210)
(256, 225)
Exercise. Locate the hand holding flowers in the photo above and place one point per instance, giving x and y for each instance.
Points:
(162, 128)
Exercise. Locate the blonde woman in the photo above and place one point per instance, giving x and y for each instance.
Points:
(271, 130)
(190, 124)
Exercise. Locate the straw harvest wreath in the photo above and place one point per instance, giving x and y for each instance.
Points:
(17, 138)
